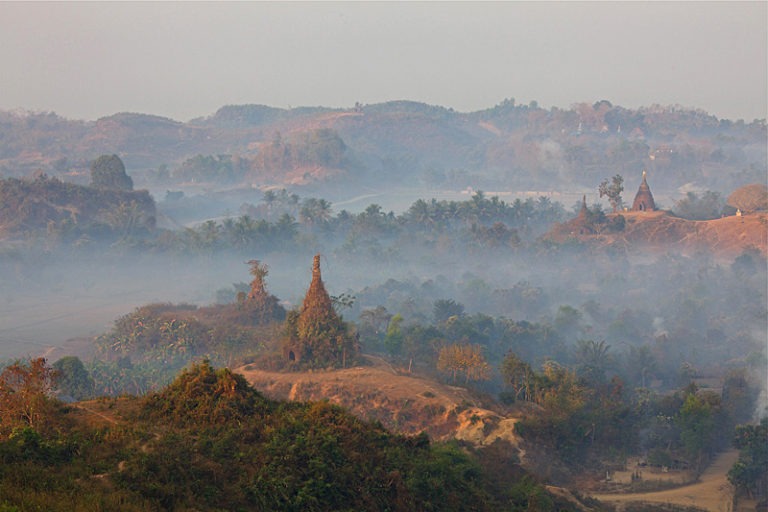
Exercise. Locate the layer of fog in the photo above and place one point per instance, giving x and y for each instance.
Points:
(705, 311)
(189, 206)
(47, 301)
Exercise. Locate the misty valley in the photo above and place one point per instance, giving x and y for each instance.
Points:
(321, 309)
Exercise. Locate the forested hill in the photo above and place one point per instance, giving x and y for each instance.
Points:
(402, 143)
(210, 442)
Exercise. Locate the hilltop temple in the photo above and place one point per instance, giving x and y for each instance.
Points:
(316, 334)
(643, 199)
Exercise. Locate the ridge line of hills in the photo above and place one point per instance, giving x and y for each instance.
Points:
(395, 105)
(511, 146)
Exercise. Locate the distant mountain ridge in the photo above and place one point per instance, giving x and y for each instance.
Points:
(508, 146)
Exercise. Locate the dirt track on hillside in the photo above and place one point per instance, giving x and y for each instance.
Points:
(711, 492)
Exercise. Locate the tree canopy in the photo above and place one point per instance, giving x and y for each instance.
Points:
(613, 191)
(108, 171)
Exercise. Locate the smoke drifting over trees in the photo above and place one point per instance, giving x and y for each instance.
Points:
(628, 333)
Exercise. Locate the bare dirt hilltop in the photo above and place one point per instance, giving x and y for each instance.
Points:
(726, 237)
(402, 402)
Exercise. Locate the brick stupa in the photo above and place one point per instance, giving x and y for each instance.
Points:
(317, 309)
(643, 199)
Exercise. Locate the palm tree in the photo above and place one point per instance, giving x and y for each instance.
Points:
(594, 359)
(285, 228)
(418, 213)
(209, 234)
(243, 231)
(315, 211)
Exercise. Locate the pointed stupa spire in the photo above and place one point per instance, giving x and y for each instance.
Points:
(316, 295)
(583, 211)
(316, 262)
(643, 199)
(318, 335)
(317, 305)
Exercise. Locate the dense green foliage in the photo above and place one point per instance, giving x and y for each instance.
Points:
(73, 379)
(210, 442)
(201, 168)
(613, 191)
(74, 214)
(586, 417)
(705, 316)
(596, 221)
(25, 389)
(705, 207)
(610, 397)
(480, 225)
(582, 422)
(320, 147)
(147, 347)
(750, 473)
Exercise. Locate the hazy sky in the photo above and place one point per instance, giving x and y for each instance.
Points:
(184, 60)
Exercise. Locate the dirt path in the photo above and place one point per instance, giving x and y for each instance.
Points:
(120, 465)
(97, 413)
(712, 492)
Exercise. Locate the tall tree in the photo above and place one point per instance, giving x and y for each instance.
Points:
(74, 379)
(25, 393)
(394, 338)
(444, 309)
(594, 359)
(750, 472)
(518, 374)
(613, 191)
(464, 359)
(374, 319)
(697, 427)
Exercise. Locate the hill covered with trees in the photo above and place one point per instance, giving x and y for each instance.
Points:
(72, 211)
(209, 441)
(512, 146)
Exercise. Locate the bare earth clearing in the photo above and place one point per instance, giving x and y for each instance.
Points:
(711, 492)
(725, 238)
(405, 403)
